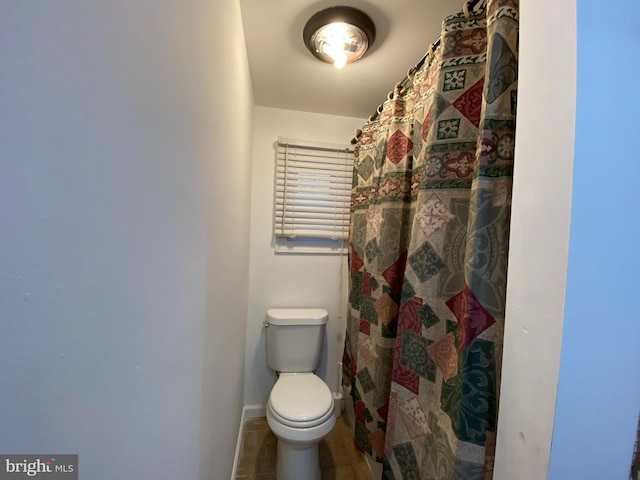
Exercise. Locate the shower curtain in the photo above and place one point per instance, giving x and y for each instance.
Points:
(428, 252)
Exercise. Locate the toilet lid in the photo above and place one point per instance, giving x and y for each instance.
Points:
(300, 397)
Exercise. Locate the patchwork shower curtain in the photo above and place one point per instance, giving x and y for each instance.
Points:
(428, 252)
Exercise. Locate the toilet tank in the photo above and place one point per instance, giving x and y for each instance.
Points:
(294, 338)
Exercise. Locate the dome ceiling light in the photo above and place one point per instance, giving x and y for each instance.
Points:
(339, 35)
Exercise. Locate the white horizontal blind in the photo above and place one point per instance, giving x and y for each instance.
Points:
(313, 190)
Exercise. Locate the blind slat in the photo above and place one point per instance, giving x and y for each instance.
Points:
(313, 158)
(318, 168)
(312, 228)
(302, 204)
(315, 210)
(293, 173)
(312, 196)
(331, 193)
(336, 183)
(312, 209)
(312, 234)
(338, 219)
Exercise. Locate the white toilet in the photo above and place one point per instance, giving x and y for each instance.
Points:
(300, 407)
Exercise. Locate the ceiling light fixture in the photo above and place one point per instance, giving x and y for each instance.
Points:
(339, 35)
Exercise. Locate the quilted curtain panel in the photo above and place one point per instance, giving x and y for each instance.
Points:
(428, 252)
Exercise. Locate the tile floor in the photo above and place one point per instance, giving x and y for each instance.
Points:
(339, 459)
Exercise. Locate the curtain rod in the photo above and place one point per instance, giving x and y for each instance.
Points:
(467, 6)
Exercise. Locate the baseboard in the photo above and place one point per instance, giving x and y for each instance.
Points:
(236, 458)
(248, 411)
(255, 411)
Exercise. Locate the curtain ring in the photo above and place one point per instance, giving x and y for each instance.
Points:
(411, 73)
(465, 9)
(373, 117)
(400, 88)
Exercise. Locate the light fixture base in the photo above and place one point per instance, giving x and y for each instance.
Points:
(339, 35)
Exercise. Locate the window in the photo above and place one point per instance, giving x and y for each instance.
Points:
(312, 196)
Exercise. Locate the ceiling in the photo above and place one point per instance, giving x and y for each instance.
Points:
(286, 75)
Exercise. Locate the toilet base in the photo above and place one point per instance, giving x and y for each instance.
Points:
(298, 455)
(295, 458)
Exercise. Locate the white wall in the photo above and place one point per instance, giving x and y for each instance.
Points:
(539, 238)
(286, 280)
(599, 388)
(125, 148)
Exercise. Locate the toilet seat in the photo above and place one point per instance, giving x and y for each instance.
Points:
(300, 425)
(301, 400)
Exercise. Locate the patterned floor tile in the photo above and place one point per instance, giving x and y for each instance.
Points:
(266, 476)
(339, 459)
(258, 452)
(346, 472)
(254, 424)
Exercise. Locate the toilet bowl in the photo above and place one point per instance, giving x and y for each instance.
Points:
(300, 413)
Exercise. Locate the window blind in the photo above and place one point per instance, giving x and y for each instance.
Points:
(313, 190)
